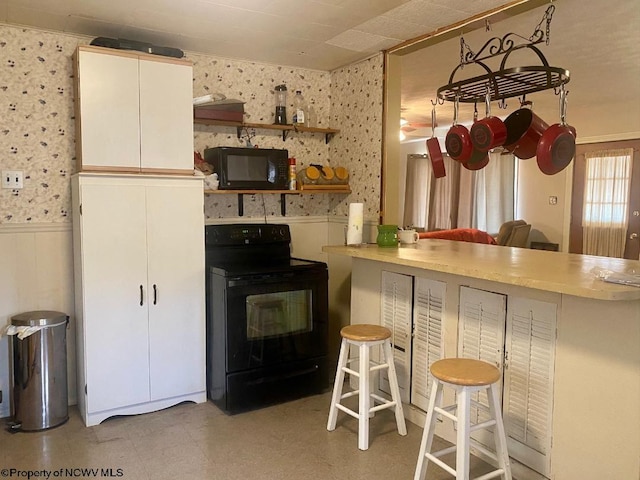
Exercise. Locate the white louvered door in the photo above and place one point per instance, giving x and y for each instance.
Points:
(428, 310)
(396, 303)
(528, 381)
(520, 340)
(482, 327)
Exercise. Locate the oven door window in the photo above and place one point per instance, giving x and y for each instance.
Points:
(278, 314)
(274, 320)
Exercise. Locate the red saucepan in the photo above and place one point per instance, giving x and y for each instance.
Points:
(524, 130)
(478, 159)
(490, 132)
(433, 148)
(458, 139)
(557, 146)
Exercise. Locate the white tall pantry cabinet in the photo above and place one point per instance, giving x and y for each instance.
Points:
(138, 233)
(139, 271)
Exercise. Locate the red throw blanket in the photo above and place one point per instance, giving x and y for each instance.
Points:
(461, 235)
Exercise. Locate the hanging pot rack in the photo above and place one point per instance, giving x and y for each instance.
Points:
(505, 82)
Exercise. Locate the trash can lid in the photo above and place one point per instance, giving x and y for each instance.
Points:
(39, 318)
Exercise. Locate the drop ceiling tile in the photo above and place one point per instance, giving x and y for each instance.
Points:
(330, 57)
(254, 5)
(361, 41)
(424, 13)
(372, 8)
(470, 8)
(388, 27)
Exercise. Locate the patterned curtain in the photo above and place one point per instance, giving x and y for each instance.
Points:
(606, 202)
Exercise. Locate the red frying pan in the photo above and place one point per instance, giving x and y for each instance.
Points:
(433, 148)
(490, 132)
(557, 146)
(478, 160)
(458, 139)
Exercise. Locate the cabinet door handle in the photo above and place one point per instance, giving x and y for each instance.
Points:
(155, 294)
(141, 296)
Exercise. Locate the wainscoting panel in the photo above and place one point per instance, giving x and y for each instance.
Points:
(36, 273)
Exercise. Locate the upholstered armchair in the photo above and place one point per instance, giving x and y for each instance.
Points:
(514, 234)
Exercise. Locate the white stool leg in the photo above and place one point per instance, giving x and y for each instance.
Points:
(429, 430)
(337, 386)
(364, 398)
(395, 389)
(498, 432)
(464, 430)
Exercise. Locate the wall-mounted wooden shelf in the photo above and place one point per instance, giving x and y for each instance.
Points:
(328, 132)
(283, 204)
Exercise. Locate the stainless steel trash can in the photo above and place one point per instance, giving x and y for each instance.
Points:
(39, 371)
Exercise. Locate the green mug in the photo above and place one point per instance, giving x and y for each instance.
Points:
(387, 236)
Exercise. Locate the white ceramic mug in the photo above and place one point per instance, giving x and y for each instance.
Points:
(408, 236)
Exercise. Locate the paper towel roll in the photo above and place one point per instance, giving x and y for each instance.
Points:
(354, 226)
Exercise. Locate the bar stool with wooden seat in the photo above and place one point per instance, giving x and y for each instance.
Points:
(365, 337)
(466, 376)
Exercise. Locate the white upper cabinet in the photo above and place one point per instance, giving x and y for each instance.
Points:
(133, 112)
(166, 114)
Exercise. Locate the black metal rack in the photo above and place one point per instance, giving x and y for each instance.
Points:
(505, 82)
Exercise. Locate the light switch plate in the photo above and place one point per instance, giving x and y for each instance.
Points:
(12, 179)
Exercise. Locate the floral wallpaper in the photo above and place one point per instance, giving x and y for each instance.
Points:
(37, 130)
(357, 110)
(37, 126)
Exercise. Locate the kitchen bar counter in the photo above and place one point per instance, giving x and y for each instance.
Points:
(595, 352)
(543, 270)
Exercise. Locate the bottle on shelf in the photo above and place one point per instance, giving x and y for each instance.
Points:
(311, 118)
(281, 105)
(299, 109)
(293, 182)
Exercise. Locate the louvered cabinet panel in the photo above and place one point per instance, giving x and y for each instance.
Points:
(428, 310)
(396, 310)
(528, 380)
(482, 325)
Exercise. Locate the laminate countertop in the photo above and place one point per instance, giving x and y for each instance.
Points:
(564, 273)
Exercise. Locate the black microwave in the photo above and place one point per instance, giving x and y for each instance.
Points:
(249, 168)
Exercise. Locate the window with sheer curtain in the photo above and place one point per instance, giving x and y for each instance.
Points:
(605, 213)
(482, 199)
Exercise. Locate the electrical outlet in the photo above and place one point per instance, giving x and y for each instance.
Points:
(553, 200)
(12, 179)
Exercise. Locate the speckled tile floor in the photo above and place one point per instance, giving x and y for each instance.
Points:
(189, 441)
